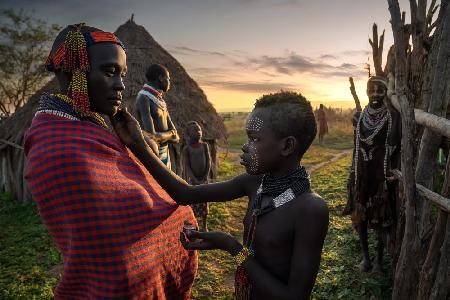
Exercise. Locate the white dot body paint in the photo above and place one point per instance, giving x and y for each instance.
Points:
(254, 161)
(254, 124)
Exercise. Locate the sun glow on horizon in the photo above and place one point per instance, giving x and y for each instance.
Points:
(334, 93)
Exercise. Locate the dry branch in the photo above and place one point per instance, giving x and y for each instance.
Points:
(406, 277)
(377, 50)
(442, 202)
(11, 144)
(431, 11)
(355, 96)
(429, 267)
(437, 124)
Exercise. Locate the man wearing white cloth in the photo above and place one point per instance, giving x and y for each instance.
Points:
(151, 111)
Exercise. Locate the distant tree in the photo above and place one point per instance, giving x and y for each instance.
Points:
(24, 46)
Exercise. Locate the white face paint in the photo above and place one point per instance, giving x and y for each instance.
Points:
(254, 124)
(253, 163)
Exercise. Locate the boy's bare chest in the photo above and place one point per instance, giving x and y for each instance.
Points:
(198, 151)
(274, 228)
(273, 239)
(197, 156)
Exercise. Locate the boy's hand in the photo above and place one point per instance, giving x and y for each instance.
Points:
(196, 240)
(127, 128)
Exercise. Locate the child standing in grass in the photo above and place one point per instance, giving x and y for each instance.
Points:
(196, 166)
(285, 224)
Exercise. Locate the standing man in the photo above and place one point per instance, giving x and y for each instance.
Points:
(151, 111)
(371, 202)
(323, 124)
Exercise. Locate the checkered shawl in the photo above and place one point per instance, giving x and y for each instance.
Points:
(116, 228)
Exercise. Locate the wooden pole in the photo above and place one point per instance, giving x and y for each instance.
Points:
(441, 201)
(355, 96)
(406, 273)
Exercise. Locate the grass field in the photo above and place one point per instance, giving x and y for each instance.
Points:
(28, 258)
(340, 137)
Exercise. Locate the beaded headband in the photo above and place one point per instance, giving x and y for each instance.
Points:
(378, 79)
(72, 56)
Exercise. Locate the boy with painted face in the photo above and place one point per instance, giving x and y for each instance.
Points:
(285, 224)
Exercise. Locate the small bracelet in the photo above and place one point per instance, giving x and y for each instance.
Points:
(242, 255)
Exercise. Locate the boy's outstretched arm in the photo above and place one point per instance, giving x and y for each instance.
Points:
(129, 131)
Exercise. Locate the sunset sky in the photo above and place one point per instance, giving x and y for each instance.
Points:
(238, 50)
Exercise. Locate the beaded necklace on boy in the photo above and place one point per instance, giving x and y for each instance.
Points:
(284, 189)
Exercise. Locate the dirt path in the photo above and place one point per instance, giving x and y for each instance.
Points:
(313, 168)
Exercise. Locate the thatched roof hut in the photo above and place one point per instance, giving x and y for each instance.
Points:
(186, 101)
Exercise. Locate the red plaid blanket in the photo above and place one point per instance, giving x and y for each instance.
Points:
(116, 228)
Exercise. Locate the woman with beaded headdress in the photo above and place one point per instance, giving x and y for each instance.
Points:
(285, 224)
(116, 228)
(371, 201)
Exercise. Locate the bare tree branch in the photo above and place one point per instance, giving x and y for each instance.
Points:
(24, 44)
(355, 96)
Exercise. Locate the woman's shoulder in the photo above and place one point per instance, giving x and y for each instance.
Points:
(54, 132)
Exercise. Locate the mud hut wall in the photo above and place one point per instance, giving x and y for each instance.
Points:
(12, 162)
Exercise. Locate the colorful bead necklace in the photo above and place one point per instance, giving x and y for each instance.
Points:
(61, 105)
(373, 120)
(94, 116)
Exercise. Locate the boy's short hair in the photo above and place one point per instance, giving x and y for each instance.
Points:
(291, 115)
(154, 71)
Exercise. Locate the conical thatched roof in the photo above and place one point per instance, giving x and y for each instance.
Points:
(186, 100)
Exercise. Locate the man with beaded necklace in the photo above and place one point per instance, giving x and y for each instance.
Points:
(371, 201)
(115, 227)
(152, 113)
(285, 224)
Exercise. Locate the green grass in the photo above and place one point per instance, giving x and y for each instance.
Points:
(339, 277)
(317, 154)
(339, 137)
(236, 131)
(26, 253)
